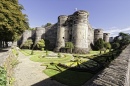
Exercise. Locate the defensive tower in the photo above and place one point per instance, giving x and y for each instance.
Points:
(39, 34)
(26, 35)
(80, 31)
(98, 33)
(106, 37)
(61, 32)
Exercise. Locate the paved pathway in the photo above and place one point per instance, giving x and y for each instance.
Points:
(3, 55)
(29, 73)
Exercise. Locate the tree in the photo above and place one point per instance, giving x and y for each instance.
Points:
(115, 45)
(28, 43)
(12, 21)
(41, 44)
(69, 45)
(48, 24)
(107, 45)
(124, 38)
(99, 44)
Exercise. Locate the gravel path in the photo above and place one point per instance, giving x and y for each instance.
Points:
(3, 55)
(29, 73)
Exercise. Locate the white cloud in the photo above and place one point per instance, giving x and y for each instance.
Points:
(114, 31)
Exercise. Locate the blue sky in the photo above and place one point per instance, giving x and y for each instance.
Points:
(111, 15)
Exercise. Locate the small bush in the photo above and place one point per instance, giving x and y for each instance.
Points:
(42, 49)
(59, 55)
(3, 78)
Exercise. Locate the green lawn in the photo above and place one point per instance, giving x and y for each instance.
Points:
(68, 77)
(36, 58)
(65, 76)
(27, 52)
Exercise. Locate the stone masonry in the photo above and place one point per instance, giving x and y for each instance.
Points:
(116, 74)
(73, 28)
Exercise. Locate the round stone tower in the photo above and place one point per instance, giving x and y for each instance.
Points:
(61, 32)
(98, 33)
(39, 34)
(26, 35)
(80, 31)
(106, 37)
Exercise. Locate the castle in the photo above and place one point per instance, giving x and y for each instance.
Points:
(74, 28)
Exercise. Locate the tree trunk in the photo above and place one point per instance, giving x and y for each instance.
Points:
(0, 44)
(6, 44)
(70, 50)
(100, 52)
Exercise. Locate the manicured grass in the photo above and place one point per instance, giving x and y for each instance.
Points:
(28, 52)
(36, 58)
(68, 77)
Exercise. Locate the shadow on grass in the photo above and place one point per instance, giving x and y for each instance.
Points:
(77, 75)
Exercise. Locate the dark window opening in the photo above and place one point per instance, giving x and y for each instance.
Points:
(63, 37)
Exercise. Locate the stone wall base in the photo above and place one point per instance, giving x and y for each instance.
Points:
(81, 50)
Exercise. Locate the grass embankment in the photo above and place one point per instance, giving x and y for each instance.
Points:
(6, 71)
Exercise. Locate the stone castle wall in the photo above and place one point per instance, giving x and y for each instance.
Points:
(73, 28)
(80, 32)
(116, 74)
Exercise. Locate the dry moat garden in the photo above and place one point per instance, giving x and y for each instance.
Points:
(71, 69)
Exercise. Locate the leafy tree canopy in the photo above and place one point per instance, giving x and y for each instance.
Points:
(107, 45)
(12, 21)
(28, 43)
(69, 45)
(48, 24)
(41, 44)
(123, 39)
(99, 44)
(115, 45)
